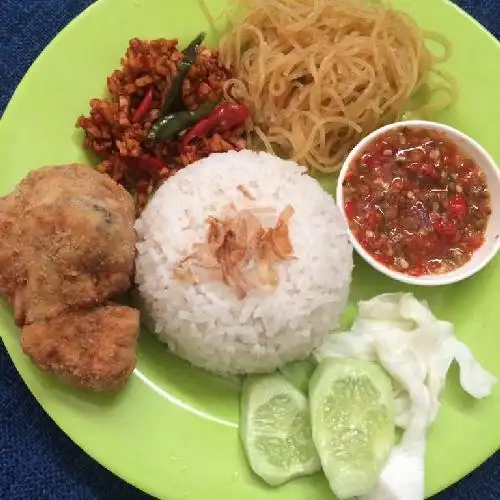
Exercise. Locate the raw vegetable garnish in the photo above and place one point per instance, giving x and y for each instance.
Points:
(417, 349)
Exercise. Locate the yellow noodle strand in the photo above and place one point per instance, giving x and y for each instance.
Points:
(318, 75)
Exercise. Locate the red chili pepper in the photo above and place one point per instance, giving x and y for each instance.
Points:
(429, 170)
(350, 210)
(370, 160)
(144, 106)
(373, 219)
(349, 177)
(444, 227)
(223, 118)
(457, 207)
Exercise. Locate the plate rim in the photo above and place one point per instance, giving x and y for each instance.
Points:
(109, 465)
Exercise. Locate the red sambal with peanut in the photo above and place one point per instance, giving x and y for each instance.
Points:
(165, 110)
(416, 202)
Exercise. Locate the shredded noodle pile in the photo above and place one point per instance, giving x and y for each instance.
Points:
(318, 75)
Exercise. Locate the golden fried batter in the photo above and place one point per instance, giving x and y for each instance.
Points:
(92, 349)
(67, 240)
(67, 244)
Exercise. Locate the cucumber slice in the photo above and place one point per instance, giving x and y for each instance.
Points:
(352, 417)
(275, 429)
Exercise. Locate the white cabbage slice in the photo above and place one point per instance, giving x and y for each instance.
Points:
(402, 334)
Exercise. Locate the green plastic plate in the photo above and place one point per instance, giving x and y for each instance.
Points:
(173, 430)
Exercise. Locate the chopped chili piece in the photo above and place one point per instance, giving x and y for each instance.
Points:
(444, 228)
(416, 202)
(145, 106)
(224, 117)
(157, 77)
(171, 124)
(457, 207)
(350, 209)
(430, 171)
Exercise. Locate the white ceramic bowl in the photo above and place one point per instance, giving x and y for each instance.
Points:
(481, 256)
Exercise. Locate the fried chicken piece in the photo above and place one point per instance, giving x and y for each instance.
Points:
(67, 241)
(91, 349)
(12, 274)
(67, 244)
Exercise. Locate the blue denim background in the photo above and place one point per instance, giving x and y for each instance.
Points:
(37, 461)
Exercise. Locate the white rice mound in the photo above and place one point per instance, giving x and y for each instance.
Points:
(206, 323)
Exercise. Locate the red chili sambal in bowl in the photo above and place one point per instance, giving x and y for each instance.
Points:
(421, 201)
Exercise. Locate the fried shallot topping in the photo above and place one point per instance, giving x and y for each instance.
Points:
(245, 192)
(239, 251)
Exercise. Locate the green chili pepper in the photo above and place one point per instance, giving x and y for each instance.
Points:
(173, 123)
(173, 101)
(191, 49)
